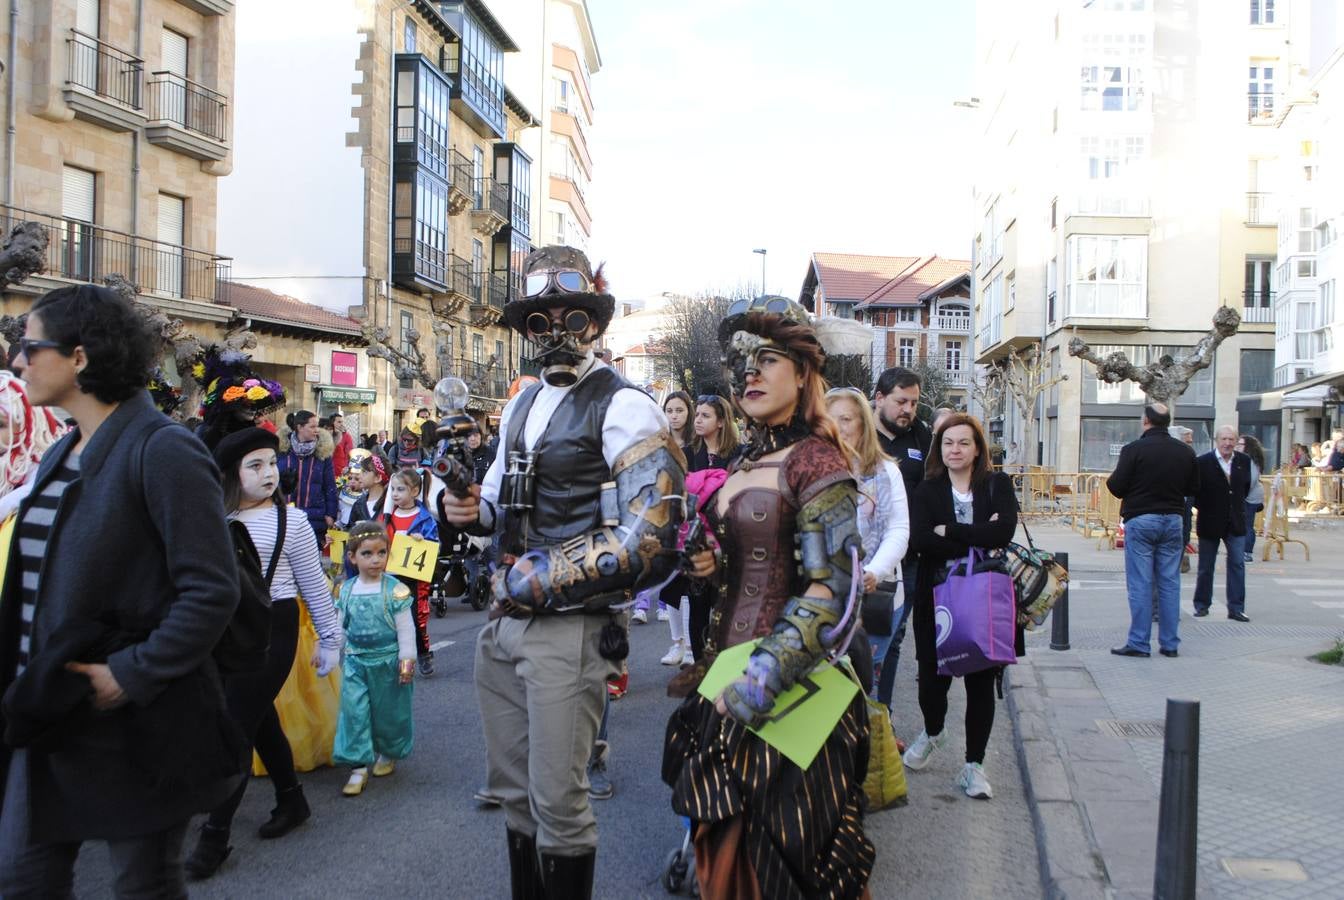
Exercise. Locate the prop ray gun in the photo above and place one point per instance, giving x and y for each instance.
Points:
(454, 467)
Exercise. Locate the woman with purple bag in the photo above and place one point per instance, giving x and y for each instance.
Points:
(960, 505)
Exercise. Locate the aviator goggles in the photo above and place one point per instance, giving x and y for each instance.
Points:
(574, 321)
(556, 281)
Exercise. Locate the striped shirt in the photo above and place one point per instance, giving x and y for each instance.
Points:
(33, 533)
(299, 569)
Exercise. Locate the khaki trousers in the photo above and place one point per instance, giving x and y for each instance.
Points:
(540, 683)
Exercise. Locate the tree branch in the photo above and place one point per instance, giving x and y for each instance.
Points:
(1167, 378)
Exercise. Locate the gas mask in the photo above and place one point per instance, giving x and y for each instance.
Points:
(561, 347)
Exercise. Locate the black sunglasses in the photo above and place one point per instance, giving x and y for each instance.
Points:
(567, 280)
(575, 321)
(712, 399)
(28, 345)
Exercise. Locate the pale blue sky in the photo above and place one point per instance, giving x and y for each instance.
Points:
(726, 125)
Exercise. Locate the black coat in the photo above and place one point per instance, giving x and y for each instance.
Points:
(143, 548)
(930, 506)
(1222, 504)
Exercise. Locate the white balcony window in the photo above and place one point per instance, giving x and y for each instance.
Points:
(1107, 276)
(906, 352)
(1262, 12)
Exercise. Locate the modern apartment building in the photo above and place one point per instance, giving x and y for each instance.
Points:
(1123, 183)
(571, 58)
(917, 306)
(119, 125)
(1308, 373)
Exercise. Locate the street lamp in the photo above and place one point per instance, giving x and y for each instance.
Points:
(761, 251)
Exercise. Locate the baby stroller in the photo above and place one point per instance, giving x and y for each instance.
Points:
(679, 871)
(462, 574)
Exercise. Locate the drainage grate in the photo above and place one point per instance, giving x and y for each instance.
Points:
(1125, 728)
(1264, 869)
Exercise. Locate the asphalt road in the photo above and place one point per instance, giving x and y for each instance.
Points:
(419, 834)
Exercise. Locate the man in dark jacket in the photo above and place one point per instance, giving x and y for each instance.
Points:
(124, 530)
(1152, 479)
(905, 438)
(1224, 482)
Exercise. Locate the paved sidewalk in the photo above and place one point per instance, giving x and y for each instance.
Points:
(1089, 731)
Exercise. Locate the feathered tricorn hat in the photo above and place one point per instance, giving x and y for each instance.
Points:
(555, 258)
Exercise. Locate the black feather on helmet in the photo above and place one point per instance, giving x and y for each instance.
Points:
(560, 276)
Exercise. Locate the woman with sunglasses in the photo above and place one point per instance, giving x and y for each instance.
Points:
(762, 825)
(884, 517)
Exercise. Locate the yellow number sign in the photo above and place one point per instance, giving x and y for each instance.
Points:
(413, 556)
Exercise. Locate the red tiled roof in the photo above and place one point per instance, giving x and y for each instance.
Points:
(906, 288)
(654, 349)
(258, 303)
(853, 276)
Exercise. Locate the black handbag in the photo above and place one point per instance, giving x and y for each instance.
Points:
(878, 609)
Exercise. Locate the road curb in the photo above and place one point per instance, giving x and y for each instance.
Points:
(1071, 862)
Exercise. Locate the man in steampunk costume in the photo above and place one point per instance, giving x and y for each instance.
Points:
(586, 493)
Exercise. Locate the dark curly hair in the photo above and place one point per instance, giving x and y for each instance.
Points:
(121, 349)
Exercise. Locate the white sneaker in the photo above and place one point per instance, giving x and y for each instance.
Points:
(639, 617)
(917, 754)
(973, 780)
(688, 658)
(673, 655)
(663, 615)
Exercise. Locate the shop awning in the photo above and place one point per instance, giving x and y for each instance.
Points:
(332, 393)
(1311, 397)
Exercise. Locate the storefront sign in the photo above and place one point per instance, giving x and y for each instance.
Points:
(356, 396)
(312, 373)
(344, 368)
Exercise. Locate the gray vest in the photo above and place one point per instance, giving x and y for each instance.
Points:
(569, 470)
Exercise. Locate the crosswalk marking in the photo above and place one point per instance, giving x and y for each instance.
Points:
(1317, 592)
(439, 645)
(1329, 604)
(1307, 582)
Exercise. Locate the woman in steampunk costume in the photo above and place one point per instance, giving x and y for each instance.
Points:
(763, 827)
(586, 493)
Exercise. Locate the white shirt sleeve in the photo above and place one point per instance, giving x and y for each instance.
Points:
(886, 561)
(631, 417)
(405, 634)
(494, 476)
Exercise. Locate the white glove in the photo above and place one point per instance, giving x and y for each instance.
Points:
(326, 659)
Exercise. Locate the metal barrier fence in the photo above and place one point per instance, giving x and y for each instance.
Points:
(1083, 500)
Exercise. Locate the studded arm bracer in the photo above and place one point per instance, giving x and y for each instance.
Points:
(806, 631)
(634, 546)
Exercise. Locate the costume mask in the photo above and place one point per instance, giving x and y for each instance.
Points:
(562, 348)
(258, 475)
(742, 357)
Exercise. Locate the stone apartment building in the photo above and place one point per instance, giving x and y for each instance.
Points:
(119, 120)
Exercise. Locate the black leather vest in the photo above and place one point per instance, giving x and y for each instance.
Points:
(569, 469)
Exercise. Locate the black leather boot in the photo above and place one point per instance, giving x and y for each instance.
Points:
(524, 869)
(211, 850)
(291, 811)
(568, 877)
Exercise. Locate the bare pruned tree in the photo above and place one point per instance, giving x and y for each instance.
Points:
(1020, 378)
(1166, 378)
(689, 347)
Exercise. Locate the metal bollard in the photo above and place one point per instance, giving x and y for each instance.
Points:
(1059, 616)
(1178, 810)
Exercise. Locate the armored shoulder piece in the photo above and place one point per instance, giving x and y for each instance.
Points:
(828, 531)
(633, 547)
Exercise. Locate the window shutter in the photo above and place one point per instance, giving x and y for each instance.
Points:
(174, 53)
(76, 194)
(171, 218)
(86, 17)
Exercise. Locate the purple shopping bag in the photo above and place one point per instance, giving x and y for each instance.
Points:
(974, 617)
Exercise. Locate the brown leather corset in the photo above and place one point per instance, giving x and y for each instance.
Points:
(756, 535)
